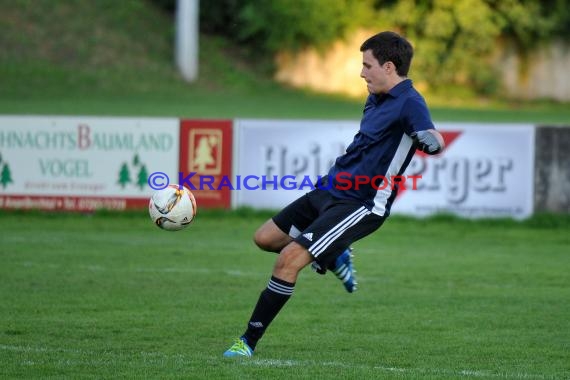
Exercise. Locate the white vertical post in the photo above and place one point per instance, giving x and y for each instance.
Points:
(186, 44)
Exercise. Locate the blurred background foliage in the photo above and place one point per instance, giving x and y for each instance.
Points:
(108, 51)
(454, 39)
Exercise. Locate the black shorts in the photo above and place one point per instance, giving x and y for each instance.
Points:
(326, 225)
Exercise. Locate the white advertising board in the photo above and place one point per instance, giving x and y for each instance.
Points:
(83, 163)
(270, 149)
(486, 170)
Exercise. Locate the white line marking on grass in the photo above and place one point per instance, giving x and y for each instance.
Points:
(237, 273)
(23, 348)
(94, 268)
(272, 363)
(240, 273)
(154, 357)
(100, 268)
(173, 270)
(409, 371)
(49, 350)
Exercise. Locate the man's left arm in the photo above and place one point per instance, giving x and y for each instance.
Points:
(420, 128)
(428, 141)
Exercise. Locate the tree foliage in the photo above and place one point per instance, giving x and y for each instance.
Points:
(275, 25)
(453, 38)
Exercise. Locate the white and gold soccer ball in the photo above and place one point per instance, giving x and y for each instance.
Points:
(172, 208)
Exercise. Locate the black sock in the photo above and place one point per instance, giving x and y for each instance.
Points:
(268, 306)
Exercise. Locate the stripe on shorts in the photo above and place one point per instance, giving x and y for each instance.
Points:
(327, 239)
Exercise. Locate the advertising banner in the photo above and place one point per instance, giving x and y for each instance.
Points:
(205, 161)
(486, 170)
(86, 163)
(83, 163)
(276, 161)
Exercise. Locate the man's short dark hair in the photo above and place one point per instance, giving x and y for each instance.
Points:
(391, 47)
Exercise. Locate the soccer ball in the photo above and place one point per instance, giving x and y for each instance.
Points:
(172, 208)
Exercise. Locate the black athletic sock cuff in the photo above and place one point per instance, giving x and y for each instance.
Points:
(281, 287)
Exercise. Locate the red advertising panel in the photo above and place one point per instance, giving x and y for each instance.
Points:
(206, 161)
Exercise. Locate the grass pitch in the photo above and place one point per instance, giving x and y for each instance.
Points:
(111, 296)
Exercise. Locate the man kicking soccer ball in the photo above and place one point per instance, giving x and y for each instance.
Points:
(319, 227)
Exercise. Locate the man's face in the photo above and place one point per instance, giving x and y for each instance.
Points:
(374, 74)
